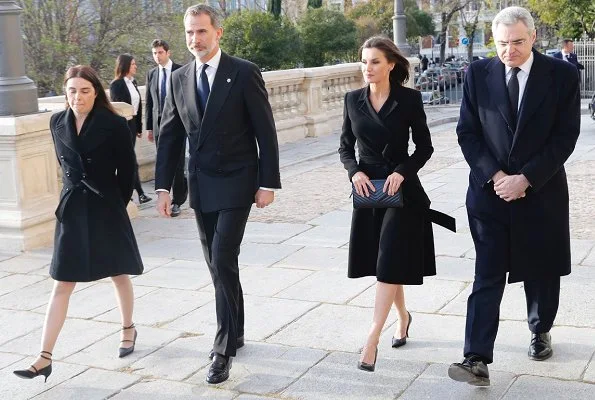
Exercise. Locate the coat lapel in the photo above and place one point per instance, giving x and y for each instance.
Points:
(222, 84)
(96, 129)
(189, 88)
(496, 82)
(65, 130)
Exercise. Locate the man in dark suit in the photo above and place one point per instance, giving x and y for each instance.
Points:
(519, 123)
(158, 79)
(222, 104)
(567, 54)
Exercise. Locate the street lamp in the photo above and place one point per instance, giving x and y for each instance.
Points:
(18, 94)
(400, 29)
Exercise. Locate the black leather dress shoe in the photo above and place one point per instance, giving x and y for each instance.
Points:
(239, 345)
(472, 371)
(219, 370)
(541, 346)
(175, 210)
(143, 198)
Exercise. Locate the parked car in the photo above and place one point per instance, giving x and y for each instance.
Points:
(436, 75)
(425, 83)
(434, 98)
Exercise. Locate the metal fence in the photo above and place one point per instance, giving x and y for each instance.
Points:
(585, 52)
(440, 85)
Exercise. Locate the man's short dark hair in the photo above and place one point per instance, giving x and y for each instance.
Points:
(160, 43)
(566, 41)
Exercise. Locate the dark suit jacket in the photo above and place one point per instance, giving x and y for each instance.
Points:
(233, 146)
(152, 99)
(545, 135)
(118, 91)
(572, 59)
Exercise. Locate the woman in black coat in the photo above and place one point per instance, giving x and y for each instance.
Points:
(94, 237)
(124, 88)
(395, 245)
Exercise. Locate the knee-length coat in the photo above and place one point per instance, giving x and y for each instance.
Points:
(94, 238)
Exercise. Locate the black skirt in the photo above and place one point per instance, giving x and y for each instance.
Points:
(396, 245)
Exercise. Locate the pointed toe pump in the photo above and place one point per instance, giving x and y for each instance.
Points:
(124, 351)
(32, 372)
(364, 366)
(401, 342)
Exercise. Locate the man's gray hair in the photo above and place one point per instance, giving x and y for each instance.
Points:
(512, 15)
(199, 9)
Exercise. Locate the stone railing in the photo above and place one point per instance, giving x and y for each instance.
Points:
(306, 103)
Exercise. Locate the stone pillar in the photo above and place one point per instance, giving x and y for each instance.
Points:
(400, 29)
(413, 62)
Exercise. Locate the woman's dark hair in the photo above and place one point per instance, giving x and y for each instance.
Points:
(87, 73)
(400, 73)
(123, 63)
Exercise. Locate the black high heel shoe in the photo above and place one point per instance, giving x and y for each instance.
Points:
(124, 351)
(368, 367)
(401, 342)
(45, 371)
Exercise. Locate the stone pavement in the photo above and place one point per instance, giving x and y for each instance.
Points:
(305, 321)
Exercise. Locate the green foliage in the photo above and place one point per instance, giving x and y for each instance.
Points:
(314, 3)
(269, 42)
(327, 36)
(570, 18)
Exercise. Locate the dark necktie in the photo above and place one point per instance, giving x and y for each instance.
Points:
(203, 88)
(513, 91)
(162, 89)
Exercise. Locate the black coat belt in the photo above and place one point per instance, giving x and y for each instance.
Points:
(71, 186)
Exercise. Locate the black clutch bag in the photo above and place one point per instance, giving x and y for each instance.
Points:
(377, 199)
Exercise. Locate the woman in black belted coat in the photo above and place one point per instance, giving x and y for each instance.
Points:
(94, 237)
(395, 245)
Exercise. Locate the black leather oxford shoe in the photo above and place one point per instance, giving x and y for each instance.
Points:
(541, 346)
(472, 371)
(219, 370)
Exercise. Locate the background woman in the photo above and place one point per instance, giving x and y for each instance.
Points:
(94, 238)
(396, 244)
(124, 88)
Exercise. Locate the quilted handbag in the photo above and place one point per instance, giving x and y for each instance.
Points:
(377, 199)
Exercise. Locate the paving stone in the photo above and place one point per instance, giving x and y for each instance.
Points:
(266, 369)
(590, 372)
(455, 268)
(339, 219)
(180, 228)
(258, 232)
(579, 249)
(167, 390)
(263, 254)
(329, 327)
(153, 262)
(429, 297)
(13, 388)
(434, 383)
(451, 244)
(3, 274)
(534, 387)
(590, 259)
(104, 353)
(17, 323)
(336, 377)
(316, 258)
(15, 282)
(91, 384)
(7, 256)
(263, 317)
(7, 359)
(181, 249)
(253, 397)
(161, 306)
(75, 336)
(325, 236)
(24, 263)
(29, 297)
(175, 277)
(328, 287)
(260, 281)
(177, 360)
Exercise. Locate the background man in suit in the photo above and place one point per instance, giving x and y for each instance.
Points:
(222, 104)
(567, 54)
(158, 80)
(519, 122)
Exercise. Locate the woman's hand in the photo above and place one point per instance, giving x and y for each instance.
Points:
(393, 183)
(362, 184)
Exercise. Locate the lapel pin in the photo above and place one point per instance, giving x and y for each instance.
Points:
(228, 80)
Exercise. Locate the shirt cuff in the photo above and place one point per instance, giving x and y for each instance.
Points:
(161, 190)
(265, 188)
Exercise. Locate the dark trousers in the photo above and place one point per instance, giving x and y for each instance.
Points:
(180, 184)
(221, 234)
(137, 186)
(492, 246)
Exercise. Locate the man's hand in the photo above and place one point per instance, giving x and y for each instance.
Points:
(163, 204)
(511, 187)
(264, 197)
(150, 136)
(498, 175)
(393, 183)
(139, 135)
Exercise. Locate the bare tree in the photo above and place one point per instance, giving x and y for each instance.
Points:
(470, 21)
(447, 10)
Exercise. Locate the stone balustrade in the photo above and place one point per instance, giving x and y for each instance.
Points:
(306, 103)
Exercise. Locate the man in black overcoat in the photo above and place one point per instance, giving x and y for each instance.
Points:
(222, 104)
(519, 123)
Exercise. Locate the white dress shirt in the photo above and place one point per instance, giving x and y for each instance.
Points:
(134, 96)
(565, 56)
(522, 76)
(160, 76)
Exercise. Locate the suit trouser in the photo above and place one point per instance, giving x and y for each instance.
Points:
(137, 185)
(180, 184)
(221, 235)
(492, 245)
